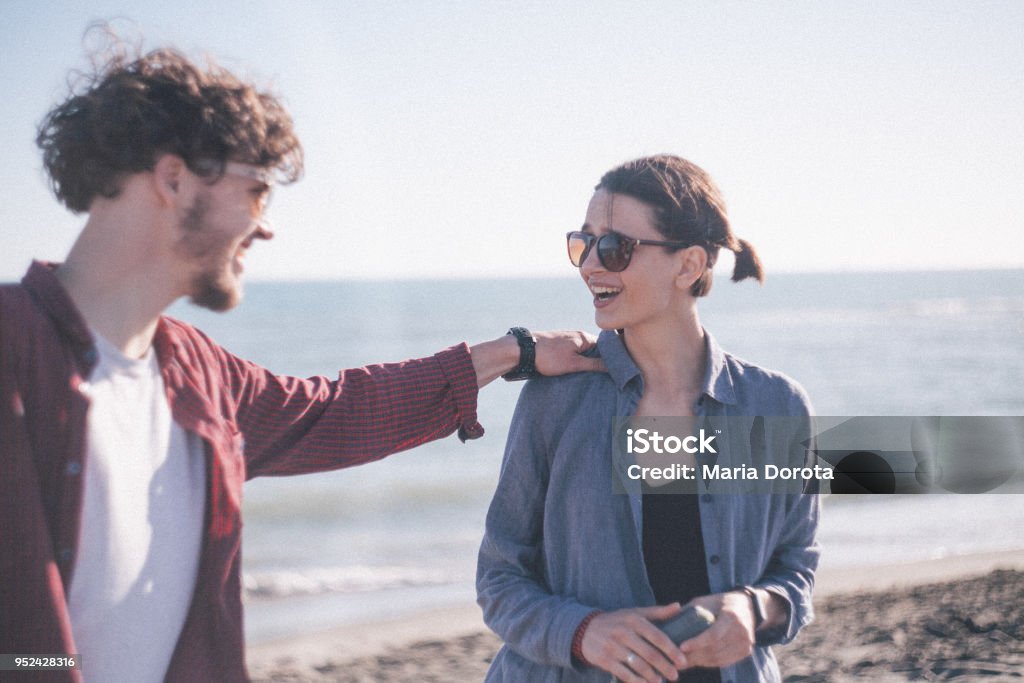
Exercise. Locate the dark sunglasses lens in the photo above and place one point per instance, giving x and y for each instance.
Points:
(579, 244)
(614, 252)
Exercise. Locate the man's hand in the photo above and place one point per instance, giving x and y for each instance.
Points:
(730, 638)
(558, 353)
(628, 646)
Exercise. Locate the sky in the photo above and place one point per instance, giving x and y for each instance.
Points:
(464, 138)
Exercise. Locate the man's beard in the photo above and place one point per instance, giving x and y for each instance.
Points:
(210, 291)
(213, 287)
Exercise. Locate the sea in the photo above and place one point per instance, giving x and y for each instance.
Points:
(398, 536)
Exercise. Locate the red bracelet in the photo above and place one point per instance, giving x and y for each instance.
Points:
(577, 639)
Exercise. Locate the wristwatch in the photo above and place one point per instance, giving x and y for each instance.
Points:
(757, 600)
(527, 355)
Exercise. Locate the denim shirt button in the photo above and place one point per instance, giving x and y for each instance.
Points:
(74, 468)
(706, 498)
(714, 559)
(64, 556)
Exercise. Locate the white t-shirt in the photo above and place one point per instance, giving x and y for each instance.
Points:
(142, 524)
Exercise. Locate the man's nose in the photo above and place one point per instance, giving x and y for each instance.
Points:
(263, 230)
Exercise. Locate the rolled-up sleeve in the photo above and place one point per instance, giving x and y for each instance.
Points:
(790, 572)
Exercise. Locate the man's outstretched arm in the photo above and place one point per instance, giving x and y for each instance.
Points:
(290, 425)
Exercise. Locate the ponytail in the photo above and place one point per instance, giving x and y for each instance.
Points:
(748, 263)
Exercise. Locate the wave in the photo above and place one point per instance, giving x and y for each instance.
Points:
(865, 314)
(956, 307)
(284, 583)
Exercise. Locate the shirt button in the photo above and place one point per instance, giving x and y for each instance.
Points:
(17, 405)
(89, 355)
(64, 556)
(714, 559)
(706, 498)
(74, 468)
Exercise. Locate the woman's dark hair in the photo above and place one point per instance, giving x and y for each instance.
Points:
(688, 207)
(132, 109)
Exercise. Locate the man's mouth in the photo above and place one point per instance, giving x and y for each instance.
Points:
(239, 259)
(242, 250)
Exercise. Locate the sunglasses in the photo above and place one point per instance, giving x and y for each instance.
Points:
(257, 173)
(614, 251)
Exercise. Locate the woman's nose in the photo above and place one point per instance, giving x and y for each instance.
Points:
(591, 262)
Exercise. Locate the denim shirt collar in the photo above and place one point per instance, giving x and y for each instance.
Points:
(718, 381)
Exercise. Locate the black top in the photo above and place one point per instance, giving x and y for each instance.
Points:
(674, 554)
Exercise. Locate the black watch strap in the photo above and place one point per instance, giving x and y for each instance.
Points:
(527, 355)
(756, 601)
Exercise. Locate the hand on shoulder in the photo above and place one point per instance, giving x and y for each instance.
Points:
(561, 352)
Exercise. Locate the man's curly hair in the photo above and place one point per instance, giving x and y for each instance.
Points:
(120, 119)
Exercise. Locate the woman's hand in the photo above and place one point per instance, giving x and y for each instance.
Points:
(627, 645)
(730, 638)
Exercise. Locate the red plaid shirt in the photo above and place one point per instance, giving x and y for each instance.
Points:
(252, 423)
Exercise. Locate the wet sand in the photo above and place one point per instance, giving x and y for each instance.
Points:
(956, 619)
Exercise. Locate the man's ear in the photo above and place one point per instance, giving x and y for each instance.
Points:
(692, 263)
(169, 174)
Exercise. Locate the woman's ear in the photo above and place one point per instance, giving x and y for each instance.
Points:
(692, 263)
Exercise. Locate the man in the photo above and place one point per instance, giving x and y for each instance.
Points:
(125, 436)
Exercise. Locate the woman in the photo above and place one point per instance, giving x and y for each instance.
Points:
(574, 576)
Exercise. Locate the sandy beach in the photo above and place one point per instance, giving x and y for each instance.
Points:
(956, 618)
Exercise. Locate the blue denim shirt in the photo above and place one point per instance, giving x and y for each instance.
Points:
(560, 544)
